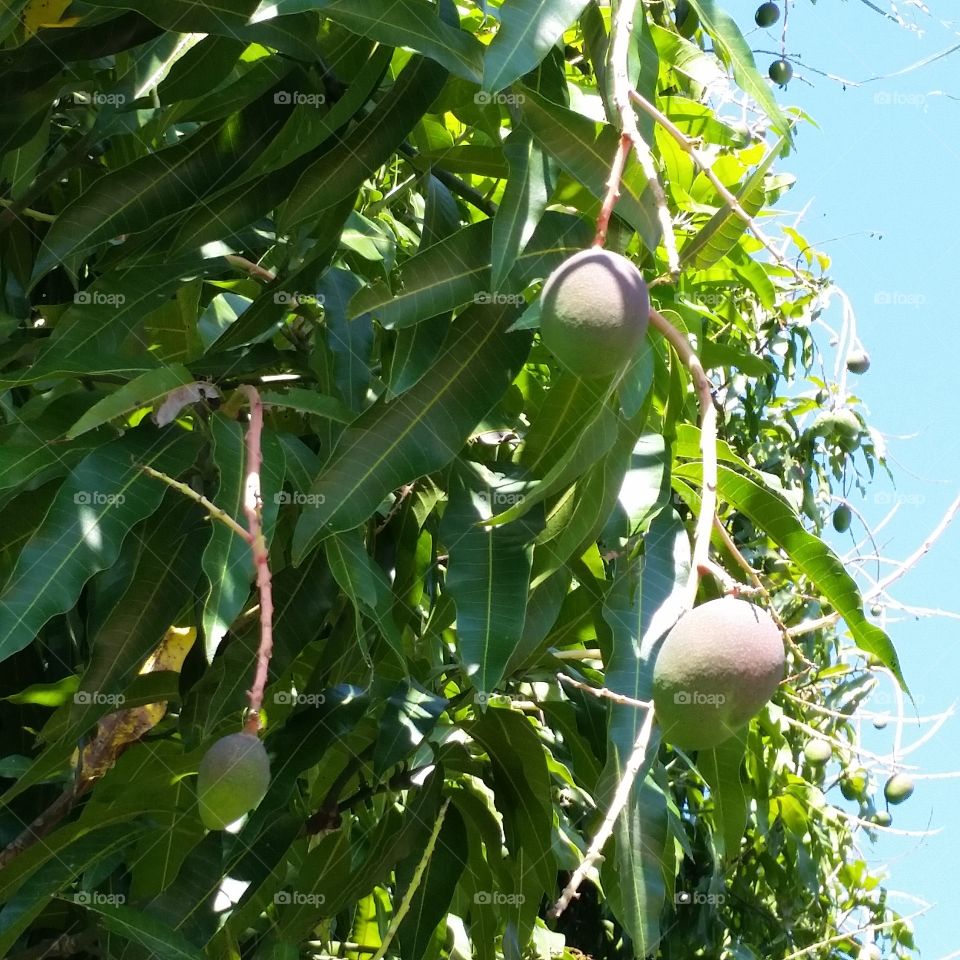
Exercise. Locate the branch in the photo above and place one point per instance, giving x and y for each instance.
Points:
(258, 546)
(188, 491)
(630, 136)
(254, 269)
(689, 146)
(43, 824)
(878, 589)
(28, 212)
(620, 797)
(708, 448)
(613, 189)
(415, 881)
(603, 693)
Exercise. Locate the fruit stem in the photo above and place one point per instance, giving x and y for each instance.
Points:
(708, 448)
(619, 56)
(620, 797)
(689, 147)
(613, 189)
(258, 547)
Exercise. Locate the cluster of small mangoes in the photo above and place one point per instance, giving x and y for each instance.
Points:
(855, 783)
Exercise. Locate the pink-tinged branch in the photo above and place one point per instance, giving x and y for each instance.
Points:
(613, 189)
(630, 137)
(252, 508)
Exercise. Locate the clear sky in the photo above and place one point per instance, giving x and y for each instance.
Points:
(881, 175)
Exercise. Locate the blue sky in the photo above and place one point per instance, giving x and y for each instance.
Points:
(880, 172)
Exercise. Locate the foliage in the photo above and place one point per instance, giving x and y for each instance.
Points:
(352, 204)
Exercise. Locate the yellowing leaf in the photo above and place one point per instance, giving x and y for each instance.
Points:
(117, 730)
(43, 13)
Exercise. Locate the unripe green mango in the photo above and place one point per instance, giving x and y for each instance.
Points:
(594, 311)
(717, 667)
(233, 778)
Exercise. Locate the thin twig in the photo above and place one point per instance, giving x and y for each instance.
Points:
(810, 626)
(188, 491)
(619, 59)
(415, 881)
(43, 824)
(613, 189)
(708, 447)
(603, 693)
(689, 147)
(595, 853)
(28, 212)
(254, 269)
(258, 546)
(837, 938)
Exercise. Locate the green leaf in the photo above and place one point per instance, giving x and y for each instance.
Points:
(138, 195)
(411, 713)
(270, 307)
(349, 340)
(69, 856)
(142, 391)
(412, 24)
(105, 495)
(720, 767)
(585, 150)
(722, 231)
(340, 172)
(488, 574)
(456, 271)
(446, 275)
(226, 562)
(308, 128)
(815, 559)
(416, 347)
(364, 582)
(309, 402)
(591, 445)
(431, 901)
(393, 443)
(736, 51)
(153, 935)
(528, 29)
(528, 189)
(644, 602)
(521, 785)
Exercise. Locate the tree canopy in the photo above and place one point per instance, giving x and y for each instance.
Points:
(282, 450)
